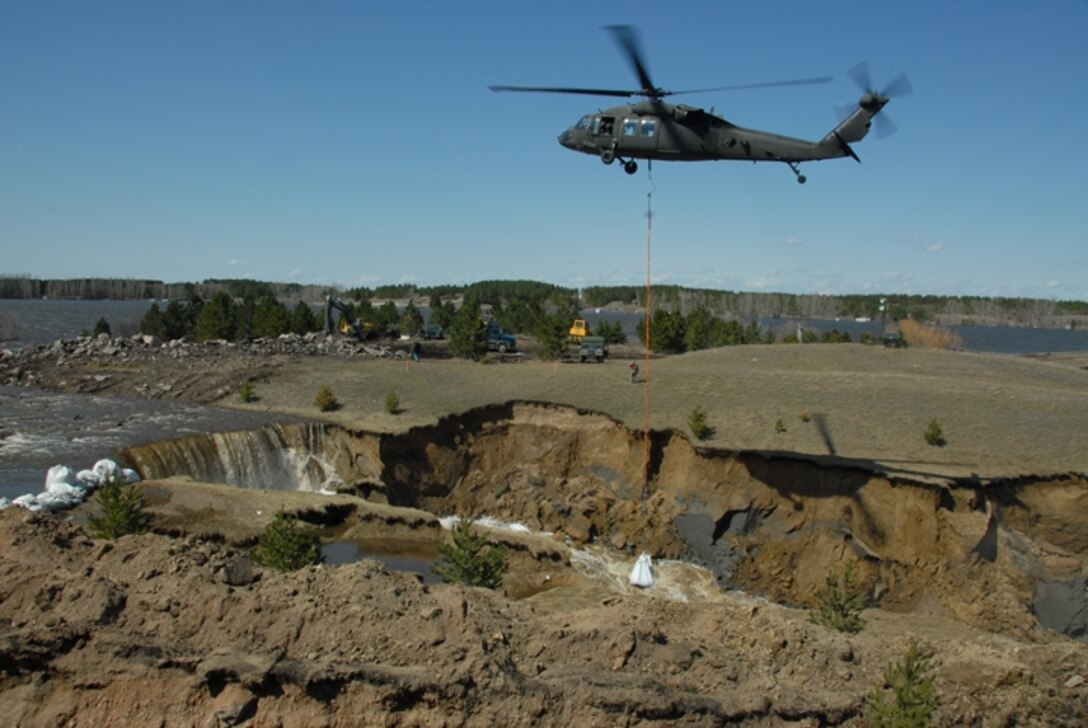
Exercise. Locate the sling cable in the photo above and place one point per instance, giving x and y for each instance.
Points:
(646, 385)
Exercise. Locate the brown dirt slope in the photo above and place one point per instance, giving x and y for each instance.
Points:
(180, 632)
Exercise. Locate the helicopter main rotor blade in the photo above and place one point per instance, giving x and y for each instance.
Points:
(765, 84)
(627, 38)
(567, 90)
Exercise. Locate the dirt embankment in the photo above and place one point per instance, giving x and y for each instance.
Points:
(183, 632)
(1000, 555)
(181, 629)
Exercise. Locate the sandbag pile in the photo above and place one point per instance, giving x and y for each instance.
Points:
(66, 489)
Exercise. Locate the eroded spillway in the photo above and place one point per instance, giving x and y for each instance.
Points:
(1003, 555)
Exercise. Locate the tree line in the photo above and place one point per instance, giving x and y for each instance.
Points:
(223, 317)
(949, 310)
(520, 303)
(136, 289)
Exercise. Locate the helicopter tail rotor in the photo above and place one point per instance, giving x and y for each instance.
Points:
(873, 100)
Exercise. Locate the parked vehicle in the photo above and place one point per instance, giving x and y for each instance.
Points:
(592, 348)
(348, 325)
(431, 331)
(579, 329)
(498, 340)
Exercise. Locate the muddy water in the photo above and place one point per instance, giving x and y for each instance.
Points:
(397, 555)
(40, 429)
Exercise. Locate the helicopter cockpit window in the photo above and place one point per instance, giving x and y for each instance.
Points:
(583, 123)
(649, 126)
(630, 127)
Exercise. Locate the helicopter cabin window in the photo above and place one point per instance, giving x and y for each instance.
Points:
(649, 126)
(630, 127)
(603, 125)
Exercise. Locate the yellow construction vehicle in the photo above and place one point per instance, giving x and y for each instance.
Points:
(579, 330)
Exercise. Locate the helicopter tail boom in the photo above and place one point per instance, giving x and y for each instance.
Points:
(853, 128)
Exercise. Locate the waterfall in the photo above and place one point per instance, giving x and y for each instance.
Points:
(273, 457)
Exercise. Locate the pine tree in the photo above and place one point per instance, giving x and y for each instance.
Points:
(411, 320)
(270, 318)
(839, 605)
(553, 334)
(913, 699)
(470, 559)
(303, 320)
(286, 544)
(123, 511)
(468, 332)
(217, 319)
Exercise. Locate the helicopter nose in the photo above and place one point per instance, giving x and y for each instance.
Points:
(564, 138)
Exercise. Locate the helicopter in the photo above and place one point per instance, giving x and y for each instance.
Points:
(654, 129)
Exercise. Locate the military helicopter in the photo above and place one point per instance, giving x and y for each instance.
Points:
(653, 129)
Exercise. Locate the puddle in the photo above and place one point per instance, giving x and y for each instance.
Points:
(397, 556)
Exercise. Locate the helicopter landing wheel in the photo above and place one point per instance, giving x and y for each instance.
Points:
(630, 167)
(608, 156)
(801, 179)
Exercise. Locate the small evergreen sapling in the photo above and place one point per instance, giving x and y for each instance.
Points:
(287, 545)
(698, 424)
(123, 511)
(912, 700)
(325, 400)
(470, 559)
(839, 604)
(934, 434)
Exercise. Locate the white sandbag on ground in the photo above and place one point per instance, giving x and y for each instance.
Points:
(65, 488)
(642, 575)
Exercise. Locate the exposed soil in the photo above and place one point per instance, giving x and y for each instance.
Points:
(178, 627)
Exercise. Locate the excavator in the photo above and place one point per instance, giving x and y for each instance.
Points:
(348, 324)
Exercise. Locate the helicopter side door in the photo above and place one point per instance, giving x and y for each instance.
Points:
(603, 129)
(638, 135)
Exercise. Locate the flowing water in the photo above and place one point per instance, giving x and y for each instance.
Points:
(40, 429)
(275, 456)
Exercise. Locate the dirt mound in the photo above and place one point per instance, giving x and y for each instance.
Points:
(1004, 555)
(186, 632)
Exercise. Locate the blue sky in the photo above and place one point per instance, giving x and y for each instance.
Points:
(357, 143)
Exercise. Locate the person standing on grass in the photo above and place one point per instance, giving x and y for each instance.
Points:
(633, 369)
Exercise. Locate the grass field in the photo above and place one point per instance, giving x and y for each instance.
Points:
(1001, 415)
